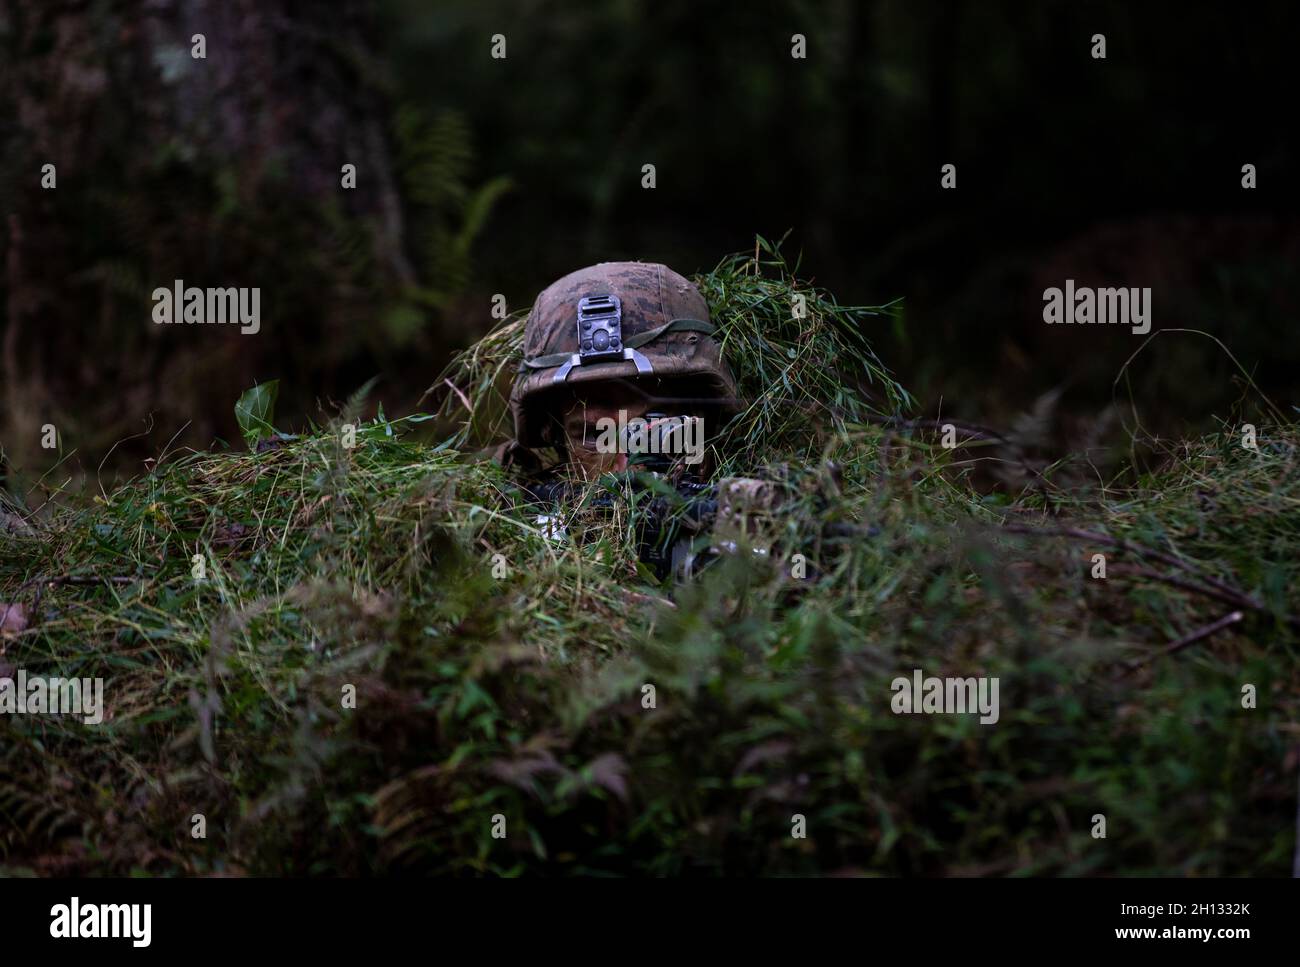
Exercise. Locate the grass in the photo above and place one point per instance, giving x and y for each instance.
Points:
(525, 696)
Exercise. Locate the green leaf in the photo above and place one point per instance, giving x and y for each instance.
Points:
(255, 410)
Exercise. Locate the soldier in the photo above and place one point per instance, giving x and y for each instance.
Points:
(615, 342)
(612, 343)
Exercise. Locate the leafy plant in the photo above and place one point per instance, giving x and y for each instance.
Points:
(255, 411)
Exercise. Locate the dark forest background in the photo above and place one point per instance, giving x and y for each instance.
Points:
(479, 176)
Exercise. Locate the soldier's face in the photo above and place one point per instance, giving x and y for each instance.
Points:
(582, 428)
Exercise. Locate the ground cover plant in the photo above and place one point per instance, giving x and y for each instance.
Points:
(600, 722)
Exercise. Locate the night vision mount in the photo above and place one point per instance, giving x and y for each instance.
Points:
(600, 337)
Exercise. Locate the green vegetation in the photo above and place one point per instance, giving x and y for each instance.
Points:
(522, 696)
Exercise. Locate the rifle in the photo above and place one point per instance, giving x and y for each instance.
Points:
(685, 523)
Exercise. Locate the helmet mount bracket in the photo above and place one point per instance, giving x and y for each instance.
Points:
(600, 337)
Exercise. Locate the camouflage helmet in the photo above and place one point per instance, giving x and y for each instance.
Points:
(640, 322)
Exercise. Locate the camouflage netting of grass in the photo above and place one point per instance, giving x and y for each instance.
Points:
(523, 695)
(803, 365)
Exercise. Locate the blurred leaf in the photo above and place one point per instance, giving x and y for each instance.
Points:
(255, 410)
